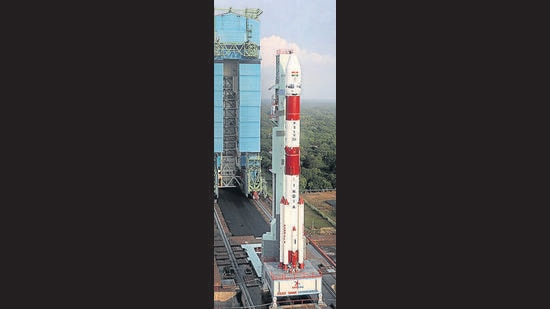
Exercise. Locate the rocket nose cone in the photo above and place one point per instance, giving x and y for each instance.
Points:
(293, 77)
(293, 63)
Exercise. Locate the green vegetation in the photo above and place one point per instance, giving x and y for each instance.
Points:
(329, 216)
(313, 220)
(317, 144)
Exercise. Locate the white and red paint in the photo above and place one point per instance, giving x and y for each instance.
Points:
(292, 240)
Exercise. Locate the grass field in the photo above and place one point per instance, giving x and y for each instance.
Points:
(314, 222)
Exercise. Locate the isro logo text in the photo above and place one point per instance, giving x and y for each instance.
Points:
(297, 285)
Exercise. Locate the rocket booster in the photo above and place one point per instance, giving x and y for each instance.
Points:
(292, 238)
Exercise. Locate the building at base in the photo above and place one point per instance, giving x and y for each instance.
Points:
(289, 288)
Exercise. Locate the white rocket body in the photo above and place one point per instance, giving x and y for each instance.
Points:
(292, 238)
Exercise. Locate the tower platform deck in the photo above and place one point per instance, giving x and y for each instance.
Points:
(306, 281)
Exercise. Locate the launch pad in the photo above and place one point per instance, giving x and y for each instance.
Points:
(281, 283)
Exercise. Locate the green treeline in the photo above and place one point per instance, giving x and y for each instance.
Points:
(317, 144)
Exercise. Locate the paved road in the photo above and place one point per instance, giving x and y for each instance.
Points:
(241, 216)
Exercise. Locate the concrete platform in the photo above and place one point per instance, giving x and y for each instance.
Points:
(283, 284)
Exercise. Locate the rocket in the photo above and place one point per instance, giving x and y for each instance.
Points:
(292, 238)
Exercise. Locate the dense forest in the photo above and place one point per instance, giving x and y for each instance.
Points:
(317, 144)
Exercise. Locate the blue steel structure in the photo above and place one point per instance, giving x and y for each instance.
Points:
(237, 101)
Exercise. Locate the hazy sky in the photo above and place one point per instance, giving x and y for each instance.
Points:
(306, 26)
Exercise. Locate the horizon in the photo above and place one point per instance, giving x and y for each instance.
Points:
(306, 101)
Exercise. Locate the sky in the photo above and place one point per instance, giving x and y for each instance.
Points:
(306, 26)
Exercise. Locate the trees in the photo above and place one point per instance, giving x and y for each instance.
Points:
(317, 144)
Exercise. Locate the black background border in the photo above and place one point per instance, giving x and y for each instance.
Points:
(108, 152)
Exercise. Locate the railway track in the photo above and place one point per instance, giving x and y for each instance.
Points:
(246, 298)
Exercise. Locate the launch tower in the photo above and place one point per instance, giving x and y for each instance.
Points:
(237, 101)
(286, 272)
